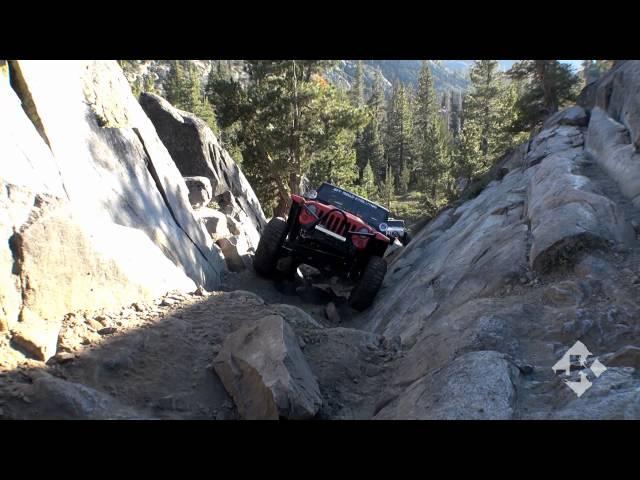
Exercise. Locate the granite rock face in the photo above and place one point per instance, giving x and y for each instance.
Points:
(491, 292)
(95, 214)
(197, 152)
(111, 162)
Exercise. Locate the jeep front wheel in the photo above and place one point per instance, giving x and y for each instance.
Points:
(370, 282)
(268, 251)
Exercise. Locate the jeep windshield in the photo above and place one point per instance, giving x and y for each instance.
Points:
(371, 213)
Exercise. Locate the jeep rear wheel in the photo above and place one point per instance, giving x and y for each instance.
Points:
(370, 282)
(268, 251)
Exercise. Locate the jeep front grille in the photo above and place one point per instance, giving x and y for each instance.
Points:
(337, 224)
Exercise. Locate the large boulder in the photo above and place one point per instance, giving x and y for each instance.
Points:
(15, 207)
(236, 252)
(35, 337)
(100, 265)
(200, 191)
(476, 386)
(215, 222)
(263, 369)
(470, 251)
(553, 140)
(27, 166)
(469, 300)
(615, 395)
(575, 116)
(197, 152)
(566, 213)
(514, 159)
(617, 94)
(62, 264)
(609, 143)
(28, 158)
(108, 158)
(94, 214)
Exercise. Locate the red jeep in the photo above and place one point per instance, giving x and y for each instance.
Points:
(335, 231)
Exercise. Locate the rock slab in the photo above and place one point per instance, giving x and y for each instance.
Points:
(265, 372)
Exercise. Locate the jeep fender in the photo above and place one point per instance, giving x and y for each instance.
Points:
(297, 199)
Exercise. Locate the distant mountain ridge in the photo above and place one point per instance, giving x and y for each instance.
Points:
(448, 74)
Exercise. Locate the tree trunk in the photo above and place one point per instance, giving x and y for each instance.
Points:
(284, 199)
(294, 183)
(295, 174)
(542, 67)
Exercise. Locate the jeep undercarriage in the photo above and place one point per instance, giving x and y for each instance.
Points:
(337, 241)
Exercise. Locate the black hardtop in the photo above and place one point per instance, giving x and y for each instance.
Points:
(355, 195)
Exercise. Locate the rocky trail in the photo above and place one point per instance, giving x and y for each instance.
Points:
(489, 296)
(473, 316)
(605, 320)
(154, 361)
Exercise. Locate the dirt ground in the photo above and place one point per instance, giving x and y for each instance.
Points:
(154, 360)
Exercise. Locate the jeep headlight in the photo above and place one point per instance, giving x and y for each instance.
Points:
(312, 209)
(383, 227)
(311, 194)
(363, 230)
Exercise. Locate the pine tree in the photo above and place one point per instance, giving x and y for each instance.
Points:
(548, 85)
(376, 100)
(455, 117)
(136, 87)
(483, 106)
(445, 108)
(486, 108)
(129, 68)
(197, 102)
(148, 85)
(356, 97)
(368, 184)
(507, 115)
(356, 94)
(387, 188)
(225, 94)
(592, 70)
(398, 146)
(489, 112)
(425, 131)
(336, 163)
(183, 89)
(174, 83)
(294, 121)
(372, 147)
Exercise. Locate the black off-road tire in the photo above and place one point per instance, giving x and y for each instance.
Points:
(268, 251)
(406, 239)
(370, 282)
